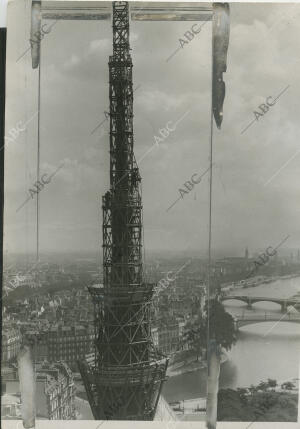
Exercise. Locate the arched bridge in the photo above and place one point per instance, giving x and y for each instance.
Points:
(252, 319)
(249, 300)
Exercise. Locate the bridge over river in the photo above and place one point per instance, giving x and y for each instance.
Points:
(246, 319)
(249, 300)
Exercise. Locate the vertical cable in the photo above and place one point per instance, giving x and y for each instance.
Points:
(3, 42)
(27, 172)
(210, 400)
(210, 211)
(38, 159)
(37, 203)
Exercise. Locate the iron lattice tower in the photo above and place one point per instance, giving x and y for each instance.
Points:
(125, 379)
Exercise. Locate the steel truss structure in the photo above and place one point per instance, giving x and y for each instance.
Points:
(125, 379)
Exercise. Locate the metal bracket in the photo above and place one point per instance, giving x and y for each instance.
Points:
(218, 13)
(93, 10)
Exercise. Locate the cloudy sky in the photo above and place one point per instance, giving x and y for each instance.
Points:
(256, 193)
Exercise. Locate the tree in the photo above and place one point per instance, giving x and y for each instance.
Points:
(268, 406)
(263, 386)
(195, 335)
(272, 383)
(252, 389)
(220, 325)
(243, 394)
(288, 385)
(230, 406)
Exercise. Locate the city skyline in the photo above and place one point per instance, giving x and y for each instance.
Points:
(151, 258)
(165, 92)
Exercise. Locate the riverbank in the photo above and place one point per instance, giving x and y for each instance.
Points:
(255, 282)
(266, 286)
(190, 365)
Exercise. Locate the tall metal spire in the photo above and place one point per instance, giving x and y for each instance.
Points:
(125, 380)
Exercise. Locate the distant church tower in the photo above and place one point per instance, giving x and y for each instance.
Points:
(246, 254)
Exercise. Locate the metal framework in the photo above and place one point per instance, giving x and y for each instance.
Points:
(125, 380)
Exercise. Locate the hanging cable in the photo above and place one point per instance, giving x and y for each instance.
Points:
(28, 261)
(38, 158)
(210, 215)
(37, 200)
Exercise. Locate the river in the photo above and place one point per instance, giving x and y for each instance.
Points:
(264, 350)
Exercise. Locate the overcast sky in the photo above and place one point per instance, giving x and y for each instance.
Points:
(256, 192)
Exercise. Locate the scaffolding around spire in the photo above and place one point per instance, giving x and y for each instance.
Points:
(125, 379)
